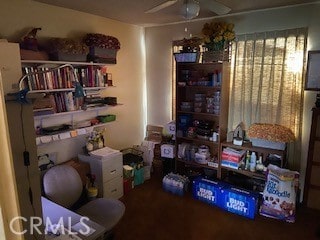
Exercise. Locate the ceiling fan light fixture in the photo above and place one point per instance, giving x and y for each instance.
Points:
(190, 9)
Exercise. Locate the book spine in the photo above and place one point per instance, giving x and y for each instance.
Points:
(231, 158)
(29, 78)
(35, 78)
(49, 78)
(68, 97)
(53, 103)
(60, 81)
(229, 164)
(90, 76)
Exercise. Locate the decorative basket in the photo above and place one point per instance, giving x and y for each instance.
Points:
(68, 57)
(102, 55)
(216, 56)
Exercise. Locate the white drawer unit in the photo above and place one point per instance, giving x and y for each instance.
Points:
(107, 165)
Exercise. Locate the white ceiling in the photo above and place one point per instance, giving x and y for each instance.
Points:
(133, 11)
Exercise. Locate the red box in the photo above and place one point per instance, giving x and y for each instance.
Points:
(128, 184)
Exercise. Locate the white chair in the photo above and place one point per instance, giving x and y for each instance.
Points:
(62, 184)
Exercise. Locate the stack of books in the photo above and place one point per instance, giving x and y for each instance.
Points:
(232, 158)
(94, 99)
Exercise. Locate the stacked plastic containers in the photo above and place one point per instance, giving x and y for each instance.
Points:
(213, 103)
(186, 106)
(199, 102)
(175, 183)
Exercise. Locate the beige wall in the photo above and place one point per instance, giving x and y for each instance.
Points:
(128, 75)
(159, 57)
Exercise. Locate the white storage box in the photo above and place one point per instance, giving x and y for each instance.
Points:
(167, 151)
(171, 128)
(256, 142)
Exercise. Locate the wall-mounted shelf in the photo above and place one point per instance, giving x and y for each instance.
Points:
(72, 133)
(199, 141)
(195, 164)
(51, 64)
(57, 85)
(199, 113)
(65, 90)
(71, 112)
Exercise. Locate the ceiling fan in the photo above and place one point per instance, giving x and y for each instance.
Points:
(190, 8)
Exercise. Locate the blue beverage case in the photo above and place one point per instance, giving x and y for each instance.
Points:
(239, 201)
(206, 190)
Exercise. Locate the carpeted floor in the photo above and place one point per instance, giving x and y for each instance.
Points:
(152, 213)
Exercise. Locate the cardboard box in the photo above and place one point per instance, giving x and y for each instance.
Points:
(239, 201)
(154, 133)
(33, 55)
(207, 190)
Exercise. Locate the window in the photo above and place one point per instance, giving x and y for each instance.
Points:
(267, 82)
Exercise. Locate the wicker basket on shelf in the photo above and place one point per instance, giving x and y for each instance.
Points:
(216, 56)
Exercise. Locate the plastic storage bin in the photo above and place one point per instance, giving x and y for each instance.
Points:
(256, 142)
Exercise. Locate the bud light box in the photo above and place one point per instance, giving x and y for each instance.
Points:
(239, 201)
(206, 190)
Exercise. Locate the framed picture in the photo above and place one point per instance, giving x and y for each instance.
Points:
(313, 71)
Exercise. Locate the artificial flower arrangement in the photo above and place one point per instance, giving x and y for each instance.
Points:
(95, 140)
(271, 132)
(217, 35)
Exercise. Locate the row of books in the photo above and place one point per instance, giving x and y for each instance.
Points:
(56, 103)
(41, 78)
(232, 158)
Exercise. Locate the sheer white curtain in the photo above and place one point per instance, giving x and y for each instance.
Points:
(267, 82)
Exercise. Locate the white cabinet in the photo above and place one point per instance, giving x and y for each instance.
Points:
(107, 165)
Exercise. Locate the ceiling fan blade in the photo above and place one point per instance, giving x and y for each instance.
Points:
(161, 6)
(218, 8)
